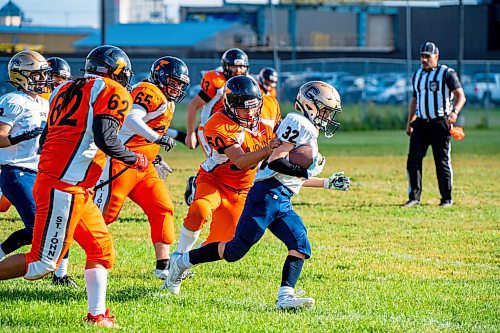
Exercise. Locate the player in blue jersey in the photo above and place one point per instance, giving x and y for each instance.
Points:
(268, 205)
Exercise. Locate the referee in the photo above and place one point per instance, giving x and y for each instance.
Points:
(430, 117)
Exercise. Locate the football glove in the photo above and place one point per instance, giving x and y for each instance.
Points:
(141, 164)
(316, 167)
(337, 181)
(28, 135)
(162, 167)
(166, 142)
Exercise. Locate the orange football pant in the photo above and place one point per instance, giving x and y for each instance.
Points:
(213, 200)
(148, 191)
(63, 213)
(4, 204)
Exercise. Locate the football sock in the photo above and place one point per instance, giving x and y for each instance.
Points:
(285, 292)
(62, 270)
(187, 238)
(291, 271)
(16, 240)
(2, 254)
(162, 264)
(177, 135)
(96, 280)
(207, 253)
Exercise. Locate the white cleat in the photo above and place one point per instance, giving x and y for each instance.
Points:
(292, 302)
(174, 278)
(161, 273)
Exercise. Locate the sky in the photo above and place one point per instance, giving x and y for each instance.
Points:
(84, 12)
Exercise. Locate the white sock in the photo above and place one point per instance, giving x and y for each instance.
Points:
(2, 254)
(184, 262)
(285, 291)
(62, 270)
(96, 280)
(187, 238)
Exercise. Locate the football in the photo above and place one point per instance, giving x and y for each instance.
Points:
(302, 156)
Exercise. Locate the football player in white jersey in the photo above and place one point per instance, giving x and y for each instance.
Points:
(23, 114)
(268, 205)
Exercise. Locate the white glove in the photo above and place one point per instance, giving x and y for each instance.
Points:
(161, 167)
(337, 181)
(316, 167)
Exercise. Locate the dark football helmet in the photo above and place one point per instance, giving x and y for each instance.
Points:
(171, 75)
(59, 69)
(234, 57)
(242, 92)
(268, 78)
(110, 61)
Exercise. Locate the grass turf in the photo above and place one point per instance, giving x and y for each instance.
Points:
(376, 267)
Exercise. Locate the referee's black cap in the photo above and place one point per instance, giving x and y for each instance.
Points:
(429, 48)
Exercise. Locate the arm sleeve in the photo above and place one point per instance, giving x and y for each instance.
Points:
(136, 124)
(43, 136)
(105, 128)
(283, 166)
(452, 80)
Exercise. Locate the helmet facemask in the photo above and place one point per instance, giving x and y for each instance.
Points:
(320, 103)
(248, 116)
(175, 89)
(123, 77)
(325, 119)
(33, 81)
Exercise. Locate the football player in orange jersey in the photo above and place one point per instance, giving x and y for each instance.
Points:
(60, 72)
(145, 131)
(209, 100)
(239, 141)
(82, 127)
(268, 79)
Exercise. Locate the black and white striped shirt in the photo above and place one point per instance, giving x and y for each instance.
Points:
(432, 91)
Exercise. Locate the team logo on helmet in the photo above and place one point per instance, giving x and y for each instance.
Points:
(16, 62)
(311, 93)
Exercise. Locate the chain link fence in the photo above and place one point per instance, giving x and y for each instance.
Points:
(365, 85)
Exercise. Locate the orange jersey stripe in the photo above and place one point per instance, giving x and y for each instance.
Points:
(160, 112)
(69, 152)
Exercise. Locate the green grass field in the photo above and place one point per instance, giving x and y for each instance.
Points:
(376, 267)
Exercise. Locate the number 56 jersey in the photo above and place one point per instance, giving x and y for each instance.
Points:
(69, 152)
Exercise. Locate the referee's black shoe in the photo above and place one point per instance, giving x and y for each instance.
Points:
(411, 203)
(446, 203)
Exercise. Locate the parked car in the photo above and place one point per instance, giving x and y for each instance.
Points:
(394, 91)
(487, 88)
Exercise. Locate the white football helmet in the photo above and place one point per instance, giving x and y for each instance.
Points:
(320, 103)
(29, 71)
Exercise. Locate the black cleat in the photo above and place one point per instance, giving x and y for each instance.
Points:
(411, 203)
(64, 281)
(190, 190)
